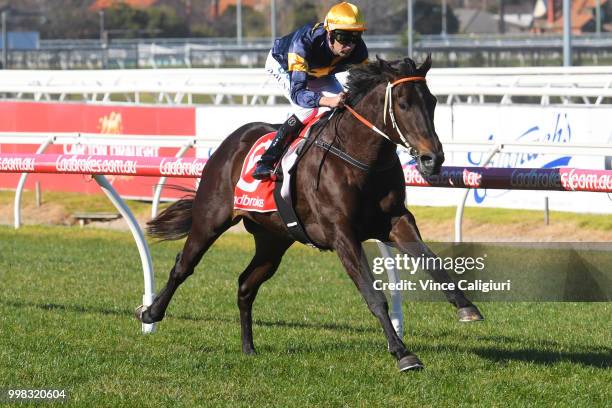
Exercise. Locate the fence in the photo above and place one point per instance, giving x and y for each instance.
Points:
(542, 85)
(557, 179)
(563, 179)
(44, 140)
(448, 50)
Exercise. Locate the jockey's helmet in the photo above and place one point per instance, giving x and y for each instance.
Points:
(344, 16)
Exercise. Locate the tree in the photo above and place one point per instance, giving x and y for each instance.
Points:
(71, 19)
(130, 22)
(165, 20)
(254, 23)
(305, 12)
(428, 19)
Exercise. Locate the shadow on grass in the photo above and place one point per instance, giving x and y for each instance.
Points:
(597, 359)
(186, 317)
(67, 308)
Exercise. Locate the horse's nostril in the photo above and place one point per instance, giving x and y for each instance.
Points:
(427, 159)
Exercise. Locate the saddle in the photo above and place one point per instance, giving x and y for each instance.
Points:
(276, 194)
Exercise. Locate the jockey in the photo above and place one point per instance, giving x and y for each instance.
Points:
(304, 64)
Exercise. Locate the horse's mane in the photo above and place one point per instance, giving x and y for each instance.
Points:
(365, 77)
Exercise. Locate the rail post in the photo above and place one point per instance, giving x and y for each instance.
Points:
(396, 315)
(141, 243)
(21, 184)
(162, 180)
(461, 205)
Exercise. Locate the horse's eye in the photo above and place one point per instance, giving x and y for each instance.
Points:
(403, 106)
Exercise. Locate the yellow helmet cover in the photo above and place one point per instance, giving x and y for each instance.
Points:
(344, 16)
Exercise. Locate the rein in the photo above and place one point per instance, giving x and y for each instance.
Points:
(388, 109)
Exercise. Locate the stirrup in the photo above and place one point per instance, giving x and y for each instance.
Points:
(263, 171)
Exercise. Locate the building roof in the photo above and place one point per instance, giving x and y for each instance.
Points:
(582, 15)
(104, 4)
(477, 21)
(254, 4)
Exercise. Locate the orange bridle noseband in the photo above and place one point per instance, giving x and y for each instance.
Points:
(388, 108)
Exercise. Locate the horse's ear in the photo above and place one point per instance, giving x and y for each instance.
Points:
(426, 65)
(382, 64)
(409, 67)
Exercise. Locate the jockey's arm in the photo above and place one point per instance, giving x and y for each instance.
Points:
(297, 62)
(301, 95)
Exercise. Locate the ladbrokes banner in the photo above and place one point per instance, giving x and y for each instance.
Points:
(556, 126)
(107, 119)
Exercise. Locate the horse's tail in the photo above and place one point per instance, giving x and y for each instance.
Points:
(175, 221)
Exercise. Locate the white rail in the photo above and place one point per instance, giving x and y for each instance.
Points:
(492, 149)
(580, 85)
(143, 249)
(90, 139)
(185, 143)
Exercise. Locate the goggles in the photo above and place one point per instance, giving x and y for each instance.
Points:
(346, 37)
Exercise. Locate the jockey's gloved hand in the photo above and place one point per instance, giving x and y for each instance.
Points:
(333, 101)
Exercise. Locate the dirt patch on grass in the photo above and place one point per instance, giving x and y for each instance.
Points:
(519, 231)
(47, 214)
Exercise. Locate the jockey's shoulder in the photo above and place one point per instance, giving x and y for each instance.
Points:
(309, 32)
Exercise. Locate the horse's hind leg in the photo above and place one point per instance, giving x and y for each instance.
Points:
(200, 238)
(269, 249)
(406, 237)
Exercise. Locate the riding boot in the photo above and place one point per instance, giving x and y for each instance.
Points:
(284, 136)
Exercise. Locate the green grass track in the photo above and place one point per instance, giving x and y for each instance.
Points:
(66, 302)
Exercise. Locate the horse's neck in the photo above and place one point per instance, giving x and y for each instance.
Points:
(361, 142)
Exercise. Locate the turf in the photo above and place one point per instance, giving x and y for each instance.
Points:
(67, 297)
(74, 202)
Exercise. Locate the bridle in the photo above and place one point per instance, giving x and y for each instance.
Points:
(388, 108)
(329, 148)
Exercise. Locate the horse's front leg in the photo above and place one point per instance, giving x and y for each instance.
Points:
(406, 237)
(350, 253)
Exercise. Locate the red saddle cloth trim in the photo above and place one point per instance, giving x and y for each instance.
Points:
(258, 195)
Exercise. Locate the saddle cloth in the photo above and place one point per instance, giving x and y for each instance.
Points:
(258, 195)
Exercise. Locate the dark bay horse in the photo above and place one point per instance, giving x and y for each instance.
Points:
(340, 204)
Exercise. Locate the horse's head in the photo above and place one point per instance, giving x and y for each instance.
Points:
(405, 104)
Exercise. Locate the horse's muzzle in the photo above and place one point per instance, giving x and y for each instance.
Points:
(429, 163)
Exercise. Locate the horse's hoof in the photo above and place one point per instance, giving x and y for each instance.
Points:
(410, 362)
(469, 314)
(139, 311)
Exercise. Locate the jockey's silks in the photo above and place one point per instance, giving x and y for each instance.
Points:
(305, 53)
